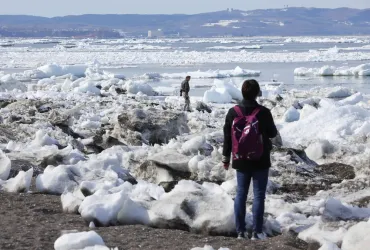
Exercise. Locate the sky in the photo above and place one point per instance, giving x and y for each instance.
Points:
(51, 8)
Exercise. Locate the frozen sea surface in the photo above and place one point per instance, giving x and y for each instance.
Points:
(275, 57)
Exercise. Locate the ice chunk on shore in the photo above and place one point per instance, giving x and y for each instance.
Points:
(335, 210)
(317, 150)
(233, 91)
(326, 71)
(364, 130)
(59, 70)
(173, 159)
(43, 139)
(7, 82)
(215, 95)
(112, 209)
(193, 145)
(19, 184)
(291, 115)
(5, 166)
(271, 91)
(72, 201)
(352, 100)
(54, 180)
(339, 92)
(87, 87)
(306, 111)
(329, 246)
(78, 241)
(46, 81)
(90, 125)
(102, 208)
(319, 233)
(348, 119)
(357, 237)
(304, 71)
(8, 79)
(362, 70)
(208, 247)
(222, 92)
(201, 202)
(136, 87)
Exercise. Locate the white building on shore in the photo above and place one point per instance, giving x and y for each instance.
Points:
(155, 33)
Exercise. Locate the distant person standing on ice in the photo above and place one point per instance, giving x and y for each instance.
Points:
(247, 132)
(185, 88)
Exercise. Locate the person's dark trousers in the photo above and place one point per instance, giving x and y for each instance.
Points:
(260, 179)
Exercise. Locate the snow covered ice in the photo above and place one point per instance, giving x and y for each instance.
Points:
(119, 153)
(237, 72)
(18, 184)
(82, 240)
(361, 70)
(208, 247)
(130, 52)
(5, 166)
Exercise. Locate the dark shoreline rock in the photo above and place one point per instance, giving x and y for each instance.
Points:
(150, 126)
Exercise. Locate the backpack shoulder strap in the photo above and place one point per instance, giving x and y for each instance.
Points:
(254, 114)
(256, 111)
(238, 111)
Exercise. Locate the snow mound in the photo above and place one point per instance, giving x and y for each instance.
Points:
(361, 70)
(78, 241)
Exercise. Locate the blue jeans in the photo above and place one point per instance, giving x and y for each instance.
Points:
(260, 179)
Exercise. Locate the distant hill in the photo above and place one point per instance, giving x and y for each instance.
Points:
(269, 22)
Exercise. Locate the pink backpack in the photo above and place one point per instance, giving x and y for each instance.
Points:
(246, 137)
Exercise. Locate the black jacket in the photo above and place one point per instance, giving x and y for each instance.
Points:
(185, 87)
(267, 128)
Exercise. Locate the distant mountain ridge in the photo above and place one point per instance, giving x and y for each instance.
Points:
(264, 22)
